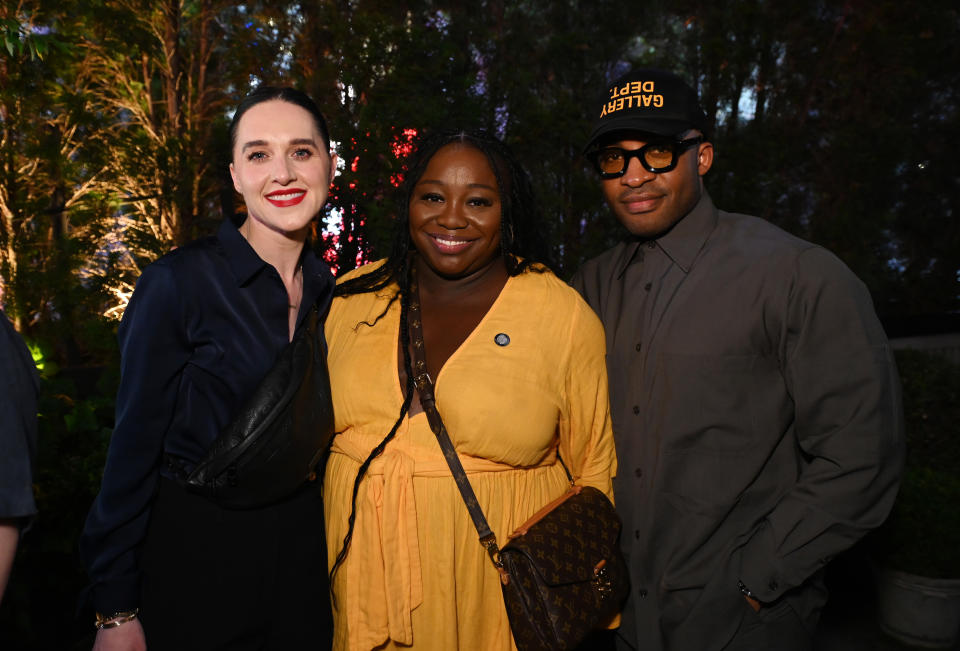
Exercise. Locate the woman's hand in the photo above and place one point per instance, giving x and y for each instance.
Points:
(126, 637)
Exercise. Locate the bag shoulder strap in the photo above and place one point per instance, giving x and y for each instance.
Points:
(424, 385)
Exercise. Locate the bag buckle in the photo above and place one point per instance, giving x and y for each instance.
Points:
(422, 381)
(602, 582)
(490, 544)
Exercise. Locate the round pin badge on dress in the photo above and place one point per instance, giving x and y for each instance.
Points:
(502, 339)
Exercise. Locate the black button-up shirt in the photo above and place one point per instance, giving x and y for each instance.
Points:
(205, 324)
(753, 392)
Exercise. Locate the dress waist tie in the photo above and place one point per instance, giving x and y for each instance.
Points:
(387, 584)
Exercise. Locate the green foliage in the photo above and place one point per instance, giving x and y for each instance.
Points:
(833, 121)
(19, 41)
(922, 534)
(931, 407)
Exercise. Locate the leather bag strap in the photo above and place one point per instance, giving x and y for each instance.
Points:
(424, 385)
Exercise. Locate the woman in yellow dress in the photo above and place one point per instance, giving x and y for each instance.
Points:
(518, 364)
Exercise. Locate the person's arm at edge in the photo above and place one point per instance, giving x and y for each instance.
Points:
(9, 537)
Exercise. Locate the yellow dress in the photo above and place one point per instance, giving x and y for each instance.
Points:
(415, 574)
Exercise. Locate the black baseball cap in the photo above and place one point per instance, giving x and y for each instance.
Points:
(650, 101)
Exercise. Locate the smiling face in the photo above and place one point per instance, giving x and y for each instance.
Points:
(648, 203)
(281, 166)
(455, 213)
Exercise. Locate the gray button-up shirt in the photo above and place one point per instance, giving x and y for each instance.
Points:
(757, 418)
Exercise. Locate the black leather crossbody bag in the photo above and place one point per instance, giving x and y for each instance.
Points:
(276, 441)
(561, 573)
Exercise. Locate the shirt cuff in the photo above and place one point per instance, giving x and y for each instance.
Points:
(117, 595)
(760, 570)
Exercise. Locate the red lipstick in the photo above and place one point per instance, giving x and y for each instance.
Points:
(286, 198)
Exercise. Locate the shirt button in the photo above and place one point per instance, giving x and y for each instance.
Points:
(773, 585)
(648, 286)
(636, 409)
(643, 594)
(639, 346)
(651, 245)
(638, 472)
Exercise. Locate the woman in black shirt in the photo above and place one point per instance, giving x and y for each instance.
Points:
(170, 569)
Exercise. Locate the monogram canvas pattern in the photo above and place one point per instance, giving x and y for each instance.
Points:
(554, 597)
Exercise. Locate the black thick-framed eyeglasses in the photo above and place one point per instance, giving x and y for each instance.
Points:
(656, 157)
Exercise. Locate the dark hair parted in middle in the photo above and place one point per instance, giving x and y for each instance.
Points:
(522, 241)
(287, 94)
(522, 245)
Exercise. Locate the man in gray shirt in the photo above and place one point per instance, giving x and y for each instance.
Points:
(755, 400)
(19, 384)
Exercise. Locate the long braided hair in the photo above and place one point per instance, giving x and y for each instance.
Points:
(522, 246)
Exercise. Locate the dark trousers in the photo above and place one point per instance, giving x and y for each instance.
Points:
(240, 580)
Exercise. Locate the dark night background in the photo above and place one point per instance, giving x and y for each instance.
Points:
(838, 121)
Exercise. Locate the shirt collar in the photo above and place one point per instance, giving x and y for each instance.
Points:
(683, 242)
(243, 260)
(245, 264)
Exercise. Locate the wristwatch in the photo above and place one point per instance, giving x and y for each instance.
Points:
(750, 597)
(745, 591)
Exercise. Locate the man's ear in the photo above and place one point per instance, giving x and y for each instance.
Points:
(704, 158)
